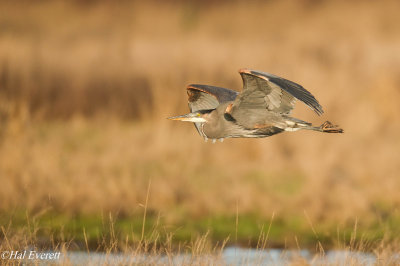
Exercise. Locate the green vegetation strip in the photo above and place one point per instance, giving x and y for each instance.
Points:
(246, 230)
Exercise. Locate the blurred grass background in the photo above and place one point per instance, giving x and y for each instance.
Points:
(85, 88)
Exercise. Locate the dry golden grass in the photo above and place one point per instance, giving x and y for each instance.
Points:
(154, 249)
(85, 90)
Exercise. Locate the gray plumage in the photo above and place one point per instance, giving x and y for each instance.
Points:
(262, 108)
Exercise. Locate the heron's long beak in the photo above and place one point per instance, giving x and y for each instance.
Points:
(192, 117)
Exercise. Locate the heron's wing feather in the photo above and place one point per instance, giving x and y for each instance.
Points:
(203, 97)
(266, 91)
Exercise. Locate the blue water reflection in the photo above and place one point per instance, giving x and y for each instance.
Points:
(230, 256)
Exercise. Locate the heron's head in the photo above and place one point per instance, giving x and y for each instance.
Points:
(195, 117)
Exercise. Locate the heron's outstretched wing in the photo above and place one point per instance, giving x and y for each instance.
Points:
(266, 91)
(205, 97)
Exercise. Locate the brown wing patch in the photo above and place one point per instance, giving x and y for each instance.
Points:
(252, 73)
(262, 125)
(193, 93)
(229, 108)
(244, 70)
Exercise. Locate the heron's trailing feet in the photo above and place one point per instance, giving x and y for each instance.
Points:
(328, 127)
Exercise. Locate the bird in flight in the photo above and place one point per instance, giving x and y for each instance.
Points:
(261, 110)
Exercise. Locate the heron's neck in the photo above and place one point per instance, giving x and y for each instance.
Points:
(214, 128)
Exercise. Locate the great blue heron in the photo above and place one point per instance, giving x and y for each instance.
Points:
(261, 110)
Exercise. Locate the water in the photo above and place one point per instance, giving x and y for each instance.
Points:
(230, 256)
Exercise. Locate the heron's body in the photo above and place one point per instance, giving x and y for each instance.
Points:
(214, 128)
(262, 109)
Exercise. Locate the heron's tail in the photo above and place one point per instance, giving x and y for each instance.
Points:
(328, 127)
